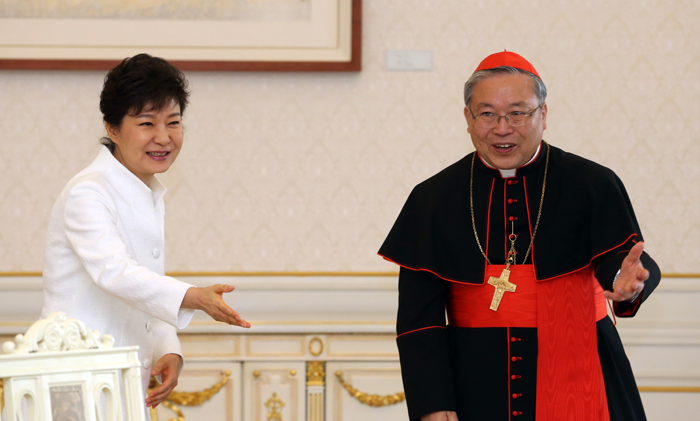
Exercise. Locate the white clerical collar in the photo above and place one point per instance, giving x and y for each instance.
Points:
(511, 173)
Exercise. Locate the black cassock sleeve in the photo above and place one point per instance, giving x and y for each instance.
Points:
(607, 266)
(423, 343)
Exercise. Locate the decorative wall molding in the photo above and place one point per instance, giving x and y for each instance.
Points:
(662, 389)
(359, 303)
(294, 274)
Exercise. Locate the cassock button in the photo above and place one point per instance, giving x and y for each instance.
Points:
(512, 218)
(146, 364)
(516, 413)
(514, 339)
(516, 358)
(511, 201)
(515, 377)
(511, 182)
(156, 253)
(517, 395)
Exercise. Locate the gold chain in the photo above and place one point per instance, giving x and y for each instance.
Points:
(539, 212)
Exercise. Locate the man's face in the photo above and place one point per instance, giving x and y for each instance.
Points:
(504, 146)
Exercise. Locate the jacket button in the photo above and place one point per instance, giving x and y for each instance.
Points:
(148, 327)
(156, 253)
(146, 364)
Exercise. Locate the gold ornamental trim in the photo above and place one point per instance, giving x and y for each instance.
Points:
(307, 273)
(28, 274)
(274, 407)
(299, 322)
(319, 351)
(187, 398)
(2, 396)
(315, 373)
(371, 400)
(283, 273)
(198, 398)
(669, 389)
(252, 273)
(174, 408)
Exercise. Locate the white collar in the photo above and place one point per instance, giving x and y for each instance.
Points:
(511, 173)
(156, 189)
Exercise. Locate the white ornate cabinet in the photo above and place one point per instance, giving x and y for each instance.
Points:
(305, 329)
(290, 377)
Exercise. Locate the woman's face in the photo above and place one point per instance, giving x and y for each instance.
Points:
(149, 142)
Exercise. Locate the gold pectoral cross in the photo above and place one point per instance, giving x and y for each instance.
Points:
(502, 285)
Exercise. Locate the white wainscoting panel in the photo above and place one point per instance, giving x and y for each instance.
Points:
(374, 378)
(348, 323)
(275, 388)
(665, 406)
(225, 405)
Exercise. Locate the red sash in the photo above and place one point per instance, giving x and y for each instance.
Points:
(565, 309)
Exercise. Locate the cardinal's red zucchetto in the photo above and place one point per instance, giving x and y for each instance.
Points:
(506, 58)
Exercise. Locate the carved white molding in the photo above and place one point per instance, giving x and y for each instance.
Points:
(57, 333)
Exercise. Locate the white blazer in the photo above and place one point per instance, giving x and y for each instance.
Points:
(104, 261)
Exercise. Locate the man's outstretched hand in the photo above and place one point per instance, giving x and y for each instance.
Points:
(630, 281)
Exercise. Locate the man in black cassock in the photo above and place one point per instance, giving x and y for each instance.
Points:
(519, 244)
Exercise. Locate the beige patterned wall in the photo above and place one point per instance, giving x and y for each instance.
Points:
(306, 172)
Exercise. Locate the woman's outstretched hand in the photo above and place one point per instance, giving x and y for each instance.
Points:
(211, 301)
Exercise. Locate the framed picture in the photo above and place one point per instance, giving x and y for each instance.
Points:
(231, 35)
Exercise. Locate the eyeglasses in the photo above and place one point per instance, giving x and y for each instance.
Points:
(488, 120)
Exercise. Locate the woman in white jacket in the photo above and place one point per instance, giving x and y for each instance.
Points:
(104, 261)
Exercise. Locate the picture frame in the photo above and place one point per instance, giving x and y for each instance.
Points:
(330, 39)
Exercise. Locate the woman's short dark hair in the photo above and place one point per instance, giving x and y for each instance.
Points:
(136, 83)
